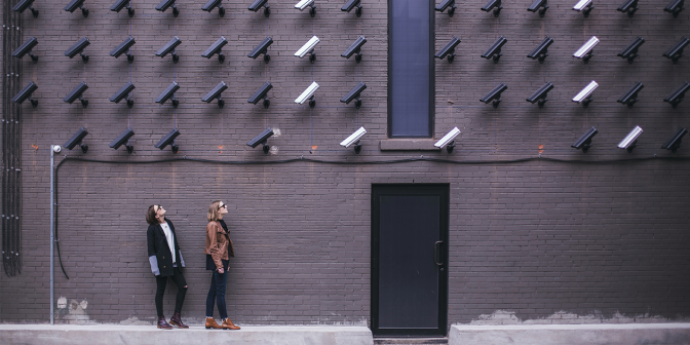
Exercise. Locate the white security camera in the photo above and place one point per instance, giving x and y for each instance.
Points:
(308, 94)
(56, 148)
(308, 48)
(585, 96)
(630, 140)
(585, 52)
(354, 139)
(448, 139)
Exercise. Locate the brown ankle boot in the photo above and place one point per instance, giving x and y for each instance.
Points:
(177, 321)
(227, 324)
(162, 324)
(211, 323)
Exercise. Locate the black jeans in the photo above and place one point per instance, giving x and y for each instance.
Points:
(181, 283)
(217, 292)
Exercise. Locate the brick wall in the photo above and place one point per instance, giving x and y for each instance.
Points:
(534, 237)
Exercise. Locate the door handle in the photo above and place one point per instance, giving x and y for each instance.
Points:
(436, 253)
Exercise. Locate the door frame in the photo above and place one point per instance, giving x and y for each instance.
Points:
(410, 189)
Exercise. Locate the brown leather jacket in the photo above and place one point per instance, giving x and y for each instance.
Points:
(217, 242)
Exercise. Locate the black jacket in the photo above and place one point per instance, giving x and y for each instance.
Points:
(160, 255)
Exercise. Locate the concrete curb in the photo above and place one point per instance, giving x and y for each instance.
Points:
(590, 334)
(149, 335)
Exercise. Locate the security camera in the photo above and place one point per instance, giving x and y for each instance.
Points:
(495, 5)
(541, 51)
(446, 4)
(350, 4)
(677, 96)
(76, 93)
(215, 48)
(56, 148)
(355, 48)
(164, 4)
(122, 93)
(74, 4)
(354, 94)
(629, 6)
(307, 3)
(170, 48)
(308, 94)
(261, 93)
(77, 139)
(539, 96)
(354, 139)
(215, 93)
(168, 93)
(308, 48)
(630, 140)
(585, 141)
(536, 5)
(494, 95)
(25, 94)
(26, 48)
(123, 47)
(494, 52)
(584, 97)
(78, 48)
(674, 7)
(448, 50)
(122, 139)
(262, 139)
(584, 6)
(257, 4)
(585, 52)
(262, 48)
(674, 143)
(676, 52)
(120, 4)
(630, 52)
(211, 4)
(169, 139)
(630, 97)
(448, 140)
(23, 5)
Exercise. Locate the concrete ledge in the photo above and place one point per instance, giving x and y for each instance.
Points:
(149, 335)
(408, 145)
(590, 334)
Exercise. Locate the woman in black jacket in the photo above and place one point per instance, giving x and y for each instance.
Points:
(165, 263)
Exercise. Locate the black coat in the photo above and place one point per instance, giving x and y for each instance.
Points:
(158, 247)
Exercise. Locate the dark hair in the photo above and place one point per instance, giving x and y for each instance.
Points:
(151, 215)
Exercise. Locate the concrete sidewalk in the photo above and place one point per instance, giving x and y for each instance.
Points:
(31, 334)
(582, 334)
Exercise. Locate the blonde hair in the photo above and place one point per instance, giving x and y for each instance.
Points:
(214, 211)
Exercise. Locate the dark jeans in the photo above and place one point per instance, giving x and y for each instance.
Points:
(217, 292)
(181, 283)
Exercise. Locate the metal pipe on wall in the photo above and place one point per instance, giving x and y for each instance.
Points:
(52, 229)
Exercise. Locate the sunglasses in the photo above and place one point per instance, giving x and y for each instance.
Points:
(222, 206)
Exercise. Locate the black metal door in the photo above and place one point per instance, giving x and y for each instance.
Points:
(409, 259)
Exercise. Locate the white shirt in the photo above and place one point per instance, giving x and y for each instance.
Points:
(170, 239)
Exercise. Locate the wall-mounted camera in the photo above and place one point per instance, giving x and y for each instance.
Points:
(215, 93)
(122, 93)
(76, 93)
(261, 93)
(585, 141)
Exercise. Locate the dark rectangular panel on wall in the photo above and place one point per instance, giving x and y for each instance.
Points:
(410, 68)
(409, 260)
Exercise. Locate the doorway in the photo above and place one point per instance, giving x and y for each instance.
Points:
(409, 257)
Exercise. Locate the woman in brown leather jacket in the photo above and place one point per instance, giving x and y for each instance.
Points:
(218, 252)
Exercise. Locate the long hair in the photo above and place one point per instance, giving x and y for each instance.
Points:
(213, 211)
(151, 215)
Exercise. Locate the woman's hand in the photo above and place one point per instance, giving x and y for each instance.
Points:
(220, 270)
